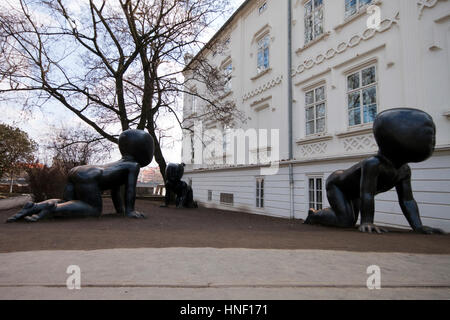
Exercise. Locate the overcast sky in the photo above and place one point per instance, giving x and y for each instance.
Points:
(41, 123)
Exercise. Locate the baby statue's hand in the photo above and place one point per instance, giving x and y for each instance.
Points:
(429, 230)
(370, 227)
(135, 215)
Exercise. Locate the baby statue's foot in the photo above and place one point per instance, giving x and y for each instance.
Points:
(46, 210)
(32, 218)
(309, 219)
(28, 209)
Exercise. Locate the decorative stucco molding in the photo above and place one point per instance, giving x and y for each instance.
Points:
(426, 4)
(266, 86)
(360, 143)
(313, 149)
(259, 101)
(354, 41)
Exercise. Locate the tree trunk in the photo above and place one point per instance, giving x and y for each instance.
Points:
(11, 183)
(159, 158)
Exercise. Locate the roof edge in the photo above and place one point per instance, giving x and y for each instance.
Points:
(215, 36)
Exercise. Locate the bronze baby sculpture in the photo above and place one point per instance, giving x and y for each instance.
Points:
(183, 191)
(83, 192)
(403, 135)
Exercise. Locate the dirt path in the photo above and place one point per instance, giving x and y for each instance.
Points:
(202, 228)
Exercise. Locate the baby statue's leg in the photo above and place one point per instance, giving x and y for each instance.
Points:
(32, 208)
(339, 215)
(69, 209)
(89, 204)
(189, 199)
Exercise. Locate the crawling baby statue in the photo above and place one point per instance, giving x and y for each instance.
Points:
(403, 135)
(83, 192)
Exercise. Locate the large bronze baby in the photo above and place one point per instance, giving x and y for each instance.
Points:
(403, 135)
(174, 184)
(83, 193)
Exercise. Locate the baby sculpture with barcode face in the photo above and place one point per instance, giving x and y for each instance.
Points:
(403, 135)
(83, 192)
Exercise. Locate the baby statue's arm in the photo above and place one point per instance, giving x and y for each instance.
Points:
(117, 200)
(409, 205)
(130, 192)
(369, 176)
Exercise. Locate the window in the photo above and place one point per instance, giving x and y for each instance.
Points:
(194, 102)
(315, 193)
(209, 195)
(192, 148)
(362, 91)
(262, 8)
(354, 6)
(227, 198)
(225, 142)
(212, 146)
(228, 71)
(263, 53)
(315, 111)
(313, 19)
(260, 193)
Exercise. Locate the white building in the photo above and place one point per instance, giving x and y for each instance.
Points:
(332, 61)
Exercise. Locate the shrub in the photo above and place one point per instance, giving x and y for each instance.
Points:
(47, 182)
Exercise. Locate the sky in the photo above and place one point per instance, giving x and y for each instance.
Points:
(40, 123)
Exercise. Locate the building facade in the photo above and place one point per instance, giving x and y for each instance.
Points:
(328, 67)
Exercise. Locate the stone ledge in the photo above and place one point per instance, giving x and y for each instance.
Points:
(314, 138)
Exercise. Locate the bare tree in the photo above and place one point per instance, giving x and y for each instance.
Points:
(77, 146)
(115, 64)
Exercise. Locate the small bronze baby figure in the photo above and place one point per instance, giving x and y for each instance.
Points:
(403, 135)
(83, 192)
(183, 191)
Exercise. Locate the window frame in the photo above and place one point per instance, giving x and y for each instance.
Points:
(359, 8)
(262, 8)
(225, 137)
(227, 199)
(259, 193)
(317, 205)
(265, 40)
(192, 148)
(209, 195)
(314, 105)
(228, 70)
(360, 89)
(194, 102)
(312, 15)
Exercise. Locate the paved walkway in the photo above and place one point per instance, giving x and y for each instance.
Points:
(15, 202)
(207, 273)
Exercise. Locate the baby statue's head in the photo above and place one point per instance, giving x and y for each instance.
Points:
(174, 172)
(137, 144)
(405, 135)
